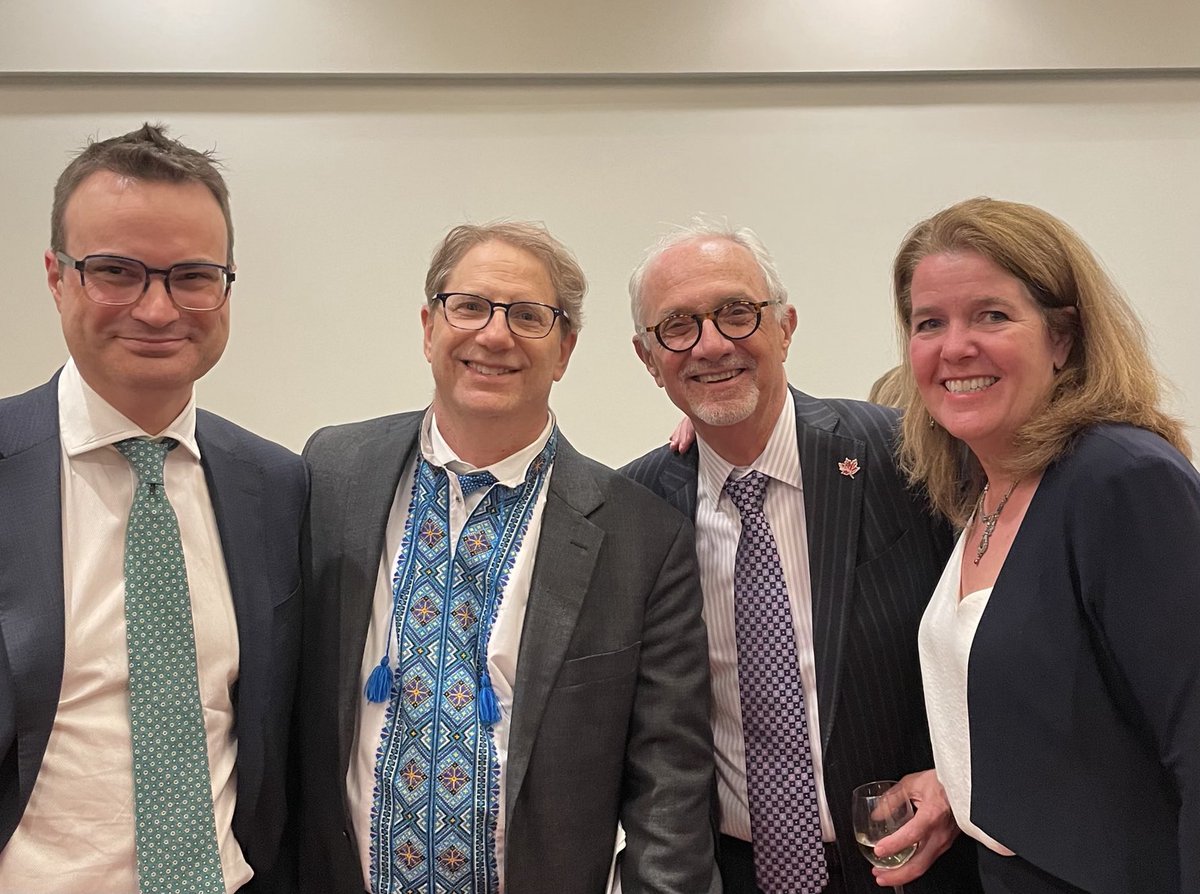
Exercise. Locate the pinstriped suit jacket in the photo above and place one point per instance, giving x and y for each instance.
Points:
(875, 555)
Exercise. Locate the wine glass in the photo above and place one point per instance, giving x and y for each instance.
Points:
(878, 809)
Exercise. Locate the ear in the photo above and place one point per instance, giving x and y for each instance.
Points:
(788, 324)
(1062, 340)
(427, 325)
(54, 275)
(565, 347)
(646, 355)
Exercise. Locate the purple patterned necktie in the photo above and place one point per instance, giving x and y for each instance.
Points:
(785, 826)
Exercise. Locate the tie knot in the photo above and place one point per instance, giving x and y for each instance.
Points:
(146, 457)
(748, 492)
(473, 481)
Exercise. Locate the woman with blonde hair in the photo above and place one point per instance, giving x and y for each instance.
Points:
(1061, 649)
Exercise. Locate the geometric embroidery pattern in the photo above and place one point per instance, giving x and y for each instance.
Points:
(174, 828)
(437, 779)
(781, 787)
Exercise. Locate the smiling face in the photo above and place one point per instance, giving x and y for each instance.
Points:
(731, 390)
(142, 358)
(490, 383)
(982, 354)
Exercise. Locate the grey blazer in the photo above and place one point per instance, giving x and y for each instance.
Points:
(610, 709)
(258, 491)
(875, 555)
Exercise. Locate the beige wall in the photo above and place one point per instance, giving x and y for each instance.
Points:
(342, 186)
(613, 36)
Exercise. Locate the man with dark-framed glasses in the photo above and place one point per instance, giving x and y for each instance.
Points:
(149, 559)
(504, 651)
(816, 564)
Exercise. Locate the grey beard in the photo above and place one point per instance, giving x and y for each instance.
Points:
(727, 412)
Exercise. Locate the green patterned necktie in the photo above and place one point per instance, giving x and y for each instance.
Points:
(176, 833)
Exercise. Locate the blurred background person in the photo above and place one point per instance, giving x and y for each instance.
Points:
(1061, 649)
(888, 389)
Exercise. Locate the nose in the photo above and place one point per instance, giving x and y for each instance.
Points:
(496, 335)
(712, 343)
(155, 307)
(958, 343)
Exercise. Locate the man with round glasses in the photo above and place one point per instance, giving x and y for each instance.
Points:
(149, 559)
(816, 565)
(506, 655)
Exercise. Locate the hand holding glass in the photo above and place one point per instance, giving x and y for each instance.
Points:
(878, 809)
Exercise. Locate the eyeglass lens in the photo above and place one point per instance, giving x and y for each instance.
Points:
(735, 320)
(113, 280)
(525, 318)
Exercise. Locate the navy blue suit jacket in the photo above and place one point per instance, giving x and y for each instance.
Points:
(258, 492)
(1084, 679)
(875, 555)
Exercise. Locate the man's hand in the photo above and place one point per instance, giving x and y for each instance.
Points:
(932, 829)
(683, 436)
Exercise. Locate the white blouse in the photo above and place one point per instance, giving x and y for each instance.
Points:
(947, 631)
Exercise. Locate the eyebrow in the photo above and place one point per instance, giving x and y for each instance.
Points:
(973, 303)
(729, 299)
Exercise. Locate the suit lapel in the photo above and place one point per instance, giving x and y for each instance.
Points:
(568, 548)
(31, 576)
(235, 488)
(833, 510)
(377, 464)
(679, 478)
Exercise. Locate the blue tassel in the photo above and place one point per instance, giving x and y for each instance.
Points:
(489, 707)
(379, 684)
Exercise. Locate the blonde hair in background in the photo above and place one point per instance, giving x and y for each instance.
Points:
(888, 389)
(1108, 375)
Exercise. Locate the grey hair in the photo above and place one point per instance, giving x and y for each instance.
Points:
(698, 229)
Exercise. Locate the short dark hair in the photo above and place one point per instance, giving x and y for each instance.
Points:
(143, 154)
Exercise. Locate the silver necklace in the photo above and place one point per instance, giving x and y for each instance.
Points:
(989, 519)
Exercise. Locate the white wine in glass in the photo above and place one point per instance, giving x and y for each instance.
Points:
(878, 809)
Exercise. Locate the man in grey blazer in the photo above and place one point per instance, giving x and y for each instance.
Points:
(480, 718)
(858, 556)
(140, 268)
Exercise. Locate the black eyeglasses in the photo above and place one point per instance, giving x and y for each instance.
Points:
(117, 281)
(734, 320)
(527, 319)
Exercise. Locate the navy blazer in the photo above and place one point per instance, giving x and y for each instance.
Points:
(1084, 676)
(875, 555)
(258, 492)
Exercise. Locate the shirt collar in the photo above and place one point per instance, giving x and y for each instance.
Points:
(87, 422)
(509, 471)
(780, 458)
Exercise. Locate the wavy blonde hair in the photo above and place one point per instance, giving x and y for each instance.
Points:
(1108, 375)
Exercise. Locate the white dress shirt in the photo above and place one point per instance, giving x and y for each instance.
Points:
(506, 628)
(718, 527)
(77, 833)
(944, 641)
